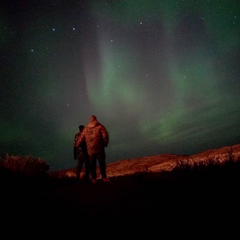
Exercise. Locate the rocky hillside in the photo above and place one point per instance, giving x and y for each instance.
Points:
(168, 162)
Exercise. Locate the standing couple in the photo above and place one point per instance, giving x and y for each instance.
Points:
(89, 146)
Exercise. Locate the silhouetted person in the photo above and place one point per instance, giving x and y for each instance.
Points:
(81, 155)
(97, 138)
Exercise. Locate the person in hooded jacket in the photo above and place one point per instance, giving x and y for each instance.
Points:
(97, 138)
(80, 154)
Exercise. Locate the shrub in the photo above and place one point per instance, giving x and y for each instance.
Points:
(25, 165)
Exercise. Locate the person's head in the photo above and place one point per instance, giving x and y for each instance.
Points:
(92, 118)
(81, 127)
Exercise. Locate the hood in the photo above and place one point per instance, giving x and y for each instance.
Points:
(92, 124)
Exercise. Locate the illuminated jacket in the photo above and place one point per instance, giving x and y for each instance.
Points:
(96, 137)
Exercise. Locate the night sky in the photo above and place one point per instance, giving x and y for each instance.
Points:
(162, 76)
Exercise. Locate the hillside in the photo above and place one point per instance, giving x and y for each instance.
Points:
(164, 195)
(165, 163)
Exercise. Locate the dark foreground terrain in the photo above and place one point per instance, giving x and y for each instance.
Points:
(185, 203)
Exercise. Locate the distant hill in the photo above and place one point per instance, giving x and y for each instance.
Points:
(165, 162)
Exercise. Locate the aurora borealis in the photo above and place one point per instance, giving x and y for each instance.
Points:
(162, 76)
